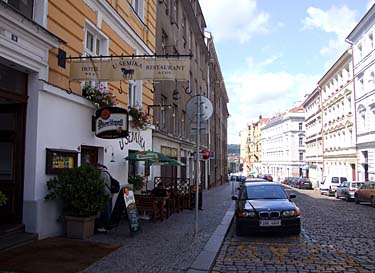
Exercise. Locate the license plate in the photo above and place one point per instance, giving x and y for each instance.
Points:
(269, 223)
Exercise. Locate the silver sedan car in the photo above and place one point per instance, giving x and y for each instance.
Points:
(347, 190)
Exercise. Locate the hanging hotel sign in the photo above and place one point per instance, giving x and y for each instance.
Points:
(111, 122)
(130, 69)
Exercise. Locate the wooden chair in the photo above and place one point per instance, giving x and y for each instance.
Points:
(149, 205)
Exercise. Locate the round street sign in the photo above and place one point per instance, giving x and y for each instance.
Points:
(205, 153)
(205, 110)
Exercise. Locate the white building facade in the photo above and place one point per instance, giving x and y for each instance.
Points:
(362, 40)
(313, 137)
(283, 144)
(339, 150)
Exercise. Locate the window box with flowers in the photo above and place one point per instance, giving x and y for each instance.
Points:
(139, 119)
(99, 96)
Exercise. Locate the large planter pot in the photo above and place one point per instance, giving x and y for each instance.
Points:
(79, 227)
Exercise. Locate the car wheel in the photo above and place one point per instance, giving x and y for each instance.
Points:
(373, 201)
(336, 195)
(239, 230)
(347, 197)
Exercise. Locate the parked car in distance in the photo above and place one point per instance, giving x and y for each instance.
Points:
(366, 193)
(329, 184)
(267, 177)
(347, 189)
(265, 206)
(303, 183)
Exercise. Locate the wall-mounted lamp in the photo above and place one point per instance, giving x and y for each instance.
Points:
(158, 105)
(112, 154)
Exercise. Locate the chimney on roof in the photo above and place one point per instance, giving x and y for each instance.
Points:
(260, 116)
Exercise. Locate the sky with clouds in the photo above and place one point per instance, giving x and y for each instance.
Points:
(272, 53)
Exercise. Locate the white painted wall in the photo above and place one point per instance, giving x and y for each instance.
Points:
(58, 120)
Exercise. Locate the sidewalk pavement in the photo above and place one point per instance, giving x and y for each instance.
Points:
(170, 245)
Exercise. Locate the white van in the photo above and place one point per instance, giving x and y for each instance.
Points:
(329, 184)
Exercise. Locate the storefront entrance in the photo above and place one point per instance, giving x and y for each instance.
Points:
(12, 142)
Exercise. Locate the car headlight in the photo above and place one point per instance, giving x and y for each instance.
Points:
(246, 214)
(289, 213)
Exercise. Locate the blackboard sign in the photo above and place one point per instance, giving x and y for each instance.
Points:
(131, 210)
(125, 206)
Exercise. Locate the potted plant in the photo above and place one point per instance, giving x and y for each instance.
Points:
(136, 181)
(82, 193)
(139, 119)
(99, 96)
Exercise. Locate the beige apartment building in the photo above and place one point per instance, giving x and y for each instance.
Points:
(313, 137)
(338, 131)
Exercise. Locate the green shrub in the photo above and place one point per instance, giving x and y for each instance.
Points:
(136, 181)
(81, 191)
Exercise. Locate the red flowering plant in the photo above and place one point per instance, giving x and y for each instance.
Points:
(140, 119)
(99, 95)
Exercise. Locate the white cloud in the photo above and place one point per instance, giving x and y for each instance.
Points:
(338, 21)
(234, 21)
(255, 93)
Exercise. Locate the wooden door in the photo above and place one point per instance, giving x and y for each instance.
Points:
(12, 147)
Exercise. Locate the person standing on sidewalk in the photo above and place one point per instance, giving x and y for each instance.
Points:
(105, 215)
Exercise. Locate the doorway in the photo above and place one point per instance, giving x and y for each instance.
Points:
(12, 147)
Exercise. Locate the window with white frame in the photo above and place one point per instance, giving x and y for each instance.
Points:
(96, 44)
(135, 100)
(137, 6)
(300, 156)
(371, 41)
(360, 53)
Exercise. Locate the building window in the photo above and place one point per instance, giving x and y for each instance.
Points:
(174, 11)
(300, 126)
(371, 41)
(137, 6)
(164, 39)
(133, 94)
(25, 7)
(300, 156)
(300, 141)
(183, 29)
(162, 114)
(183, 124)
(359, 47)
(174, 118)
(96, 44)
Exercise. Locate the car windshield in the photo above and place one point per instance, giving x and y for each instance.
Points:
(265, 192)
(356, 185)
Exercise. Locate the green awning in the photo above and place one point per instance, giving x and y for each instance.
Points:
(154, 158)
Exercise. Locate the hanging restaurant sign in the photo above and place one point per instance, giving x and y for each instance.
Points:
(130, 69)
(111, 122)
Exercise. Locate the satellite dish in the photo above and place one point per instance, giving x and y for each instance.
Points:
(205, 110)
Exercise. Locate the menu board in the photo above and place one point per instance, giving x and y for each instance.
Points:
(131, 210)
(125, 207)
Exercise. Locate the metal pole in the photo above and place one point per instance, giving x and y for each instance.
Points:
(197, 167)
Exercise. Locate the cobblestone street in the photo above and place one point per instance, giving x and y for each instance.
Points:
(337, 236)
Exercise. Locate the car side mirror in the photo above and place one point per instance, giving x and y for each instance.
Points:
(322, 182)
(234, 198)
(292, 196)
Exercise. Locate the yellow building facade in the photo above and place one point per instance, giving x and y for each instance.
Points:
(46, 110)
